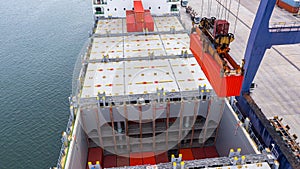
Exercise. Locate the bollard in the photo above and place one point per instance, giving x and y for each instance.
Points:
(231, 153)
(97, 166)
(173, 158)
(182, 165)
(90, 165)
(238, 152)
(276, 165)
(235, 160)
(174, 165)
(243, 160)
(180, 157)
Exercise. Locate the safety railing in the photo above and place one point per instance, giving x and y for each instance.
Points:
(78, 75)
(284, 27)
(79, 71)
(100, 2)
(63, 146)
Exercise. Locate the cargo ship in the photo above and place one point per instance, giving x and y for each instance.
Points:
(141, 98)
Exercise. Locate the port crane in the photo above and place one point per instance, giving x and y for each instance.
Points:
(263, 37)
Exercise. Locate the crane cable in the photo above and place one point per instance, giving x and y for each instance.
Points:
(222, 10)
(207, 12)
(229, 10)
(237, 15)
(210, 8)
(202, 8)
(225, 13)
(218, 9)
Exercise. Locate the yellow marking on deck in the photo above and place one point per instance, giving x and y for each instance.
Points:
(161, 66)
(165, 81)
(144, 83)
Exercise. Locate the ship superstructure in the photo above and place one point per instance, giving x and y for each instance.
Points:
(142, 100)
(113, 8)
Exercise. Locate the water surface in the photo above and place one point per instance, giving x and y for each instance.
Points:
(39, 43)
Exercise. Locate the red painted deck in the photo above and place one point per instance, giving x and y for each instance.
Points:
(187, 154)
(95, 154)
(136, 159)
(122, 161)
(161, 157)
(109, 161)
(211, 152)
(149, 158)
(198, 153)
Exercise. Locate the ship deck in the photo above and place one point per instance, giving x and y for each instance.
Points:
(277, 80)
(140, 63)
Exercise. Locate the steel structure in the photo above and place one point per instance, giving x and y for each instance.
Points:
(262, 37)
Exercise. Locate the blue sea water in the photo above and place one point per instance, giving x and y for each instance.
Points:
(39, 44)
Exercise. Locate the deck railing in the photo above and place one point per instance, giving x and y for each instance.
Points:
(284, 27)
(100, 2)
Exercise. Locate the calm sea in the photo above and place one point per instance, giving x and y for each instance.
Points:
(39, 44)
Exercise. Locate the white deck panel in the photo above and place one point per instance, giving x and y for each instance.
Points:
(148, 75)
(114, 26)
(140, 46)
(102, 77)
(111, 46)
(176, 43)
(143, 77)
(189, 74)
(165, 23)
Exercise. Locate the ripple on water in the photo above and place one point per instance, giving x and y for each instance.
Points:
(39, 43)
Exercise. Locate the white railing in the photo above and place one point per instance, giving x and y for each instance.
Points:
(284, 26)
